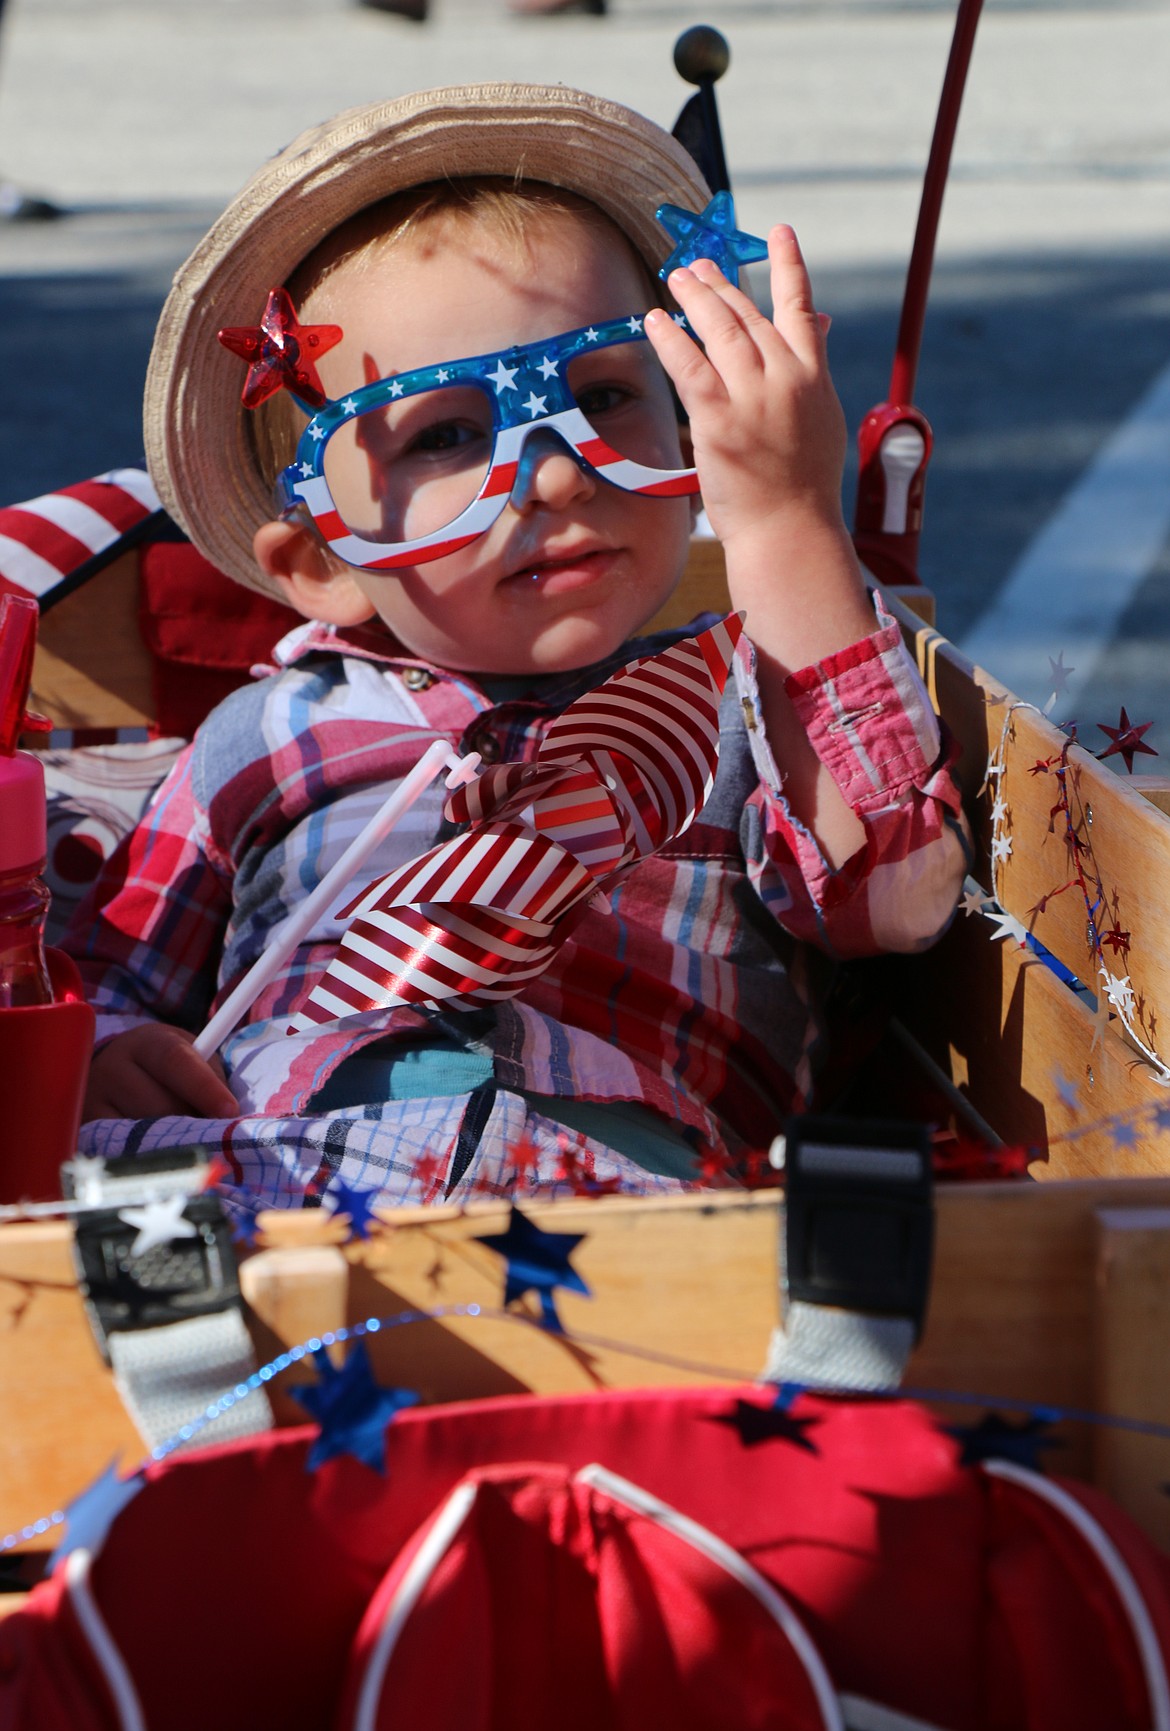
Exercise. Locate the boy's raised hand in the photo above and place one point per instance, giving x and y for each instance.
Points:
(769, 443)
(767, 428)
(152, 1072)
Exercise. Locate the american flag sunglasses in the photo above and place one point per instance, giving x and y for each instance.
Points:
(410, 468)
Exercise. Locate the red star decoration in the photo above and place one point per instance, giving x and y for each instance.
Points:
(711, 1166)
(1041, 766)
(282, 353)
(567, 1167)
(426, 1169)
(525, 1157)
(1127, 739)
(1117, 940)
(218, 1172)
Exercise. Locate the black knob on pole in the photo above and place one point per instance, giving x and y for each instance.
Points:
(701, 56)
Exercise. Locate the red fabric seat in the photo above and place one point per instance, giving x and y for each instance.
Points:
(234, 1587)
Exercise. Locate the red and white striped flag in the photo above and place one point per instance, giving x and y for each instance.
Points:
(44, 540)
(620, 773)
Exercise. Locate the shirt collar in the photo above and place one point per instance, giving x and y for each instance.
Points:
(373, 642)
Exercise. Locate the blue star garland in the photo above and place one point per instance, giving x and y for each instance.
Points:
(537, 1262)
(351, 1409)
(358, 1204)
(90, 1516)
(996, 1438)
(771, 1423)
(109, 1491)
(709, 234)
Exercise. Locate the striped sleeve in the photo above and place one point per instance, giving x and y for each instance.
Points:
(871, 723)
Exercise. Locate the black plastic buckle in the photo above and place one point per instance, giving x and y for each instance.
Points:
(859, 1215)
(188, 1277)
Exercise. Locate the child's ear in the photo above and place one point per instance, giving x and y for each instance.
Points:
(318, 585)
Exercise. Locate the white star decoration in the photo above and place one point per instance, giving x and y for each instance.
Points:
(1119, 992)
(974, 901)
(444, 375)
(1007, 925)
(591, 335)
(306, 470)
(159, 1222)
(1001, 848)
(548, 368)
(349, 406)
(317, 432)
(395, 388)
(503, 378)
(535, 405)
(635, 324)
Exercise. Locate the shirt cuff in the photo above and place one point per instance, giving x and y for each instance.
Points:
(869, 718)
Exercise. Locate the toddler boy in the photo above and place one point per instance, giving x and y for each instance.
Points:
(675, 1026)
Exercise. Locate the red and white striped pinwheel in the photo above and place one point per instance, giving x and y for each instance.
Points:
(621, 772)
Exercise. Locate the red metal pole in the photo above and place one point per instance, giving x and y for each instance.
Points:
(909, 345)
(894, 439)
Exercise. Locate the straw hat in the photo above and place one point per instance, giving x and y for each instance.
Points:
(197, 446)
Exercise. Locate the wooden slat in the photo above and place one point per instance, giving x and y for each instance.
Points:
(689, 1281)
(1010, 1034)
(1132, 1324)
(63, 1421)
(1128, 837)
(92, 668)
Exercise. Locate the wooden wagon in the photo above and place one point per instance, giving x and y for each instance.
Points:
(1036, 1024)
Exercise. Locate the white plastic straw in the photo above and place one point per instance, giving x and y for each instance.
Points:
(267, 966)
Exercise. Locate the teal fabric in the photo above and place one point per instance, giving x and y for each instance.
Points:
(623, 1125)
(388, 1070)
(391, 1070)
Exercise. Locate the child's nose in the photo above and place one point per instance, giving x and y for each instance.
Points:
(549, 474)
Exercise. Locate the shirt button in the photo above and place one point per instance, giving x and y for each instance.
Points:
(488, 748)
(417, 679)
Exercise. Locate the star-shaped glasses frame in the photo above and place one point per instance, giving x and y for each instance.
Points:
(527, 391)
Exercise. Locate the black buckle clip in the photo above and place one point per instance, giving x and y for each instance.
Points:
(190, 1276)
(859, 1215)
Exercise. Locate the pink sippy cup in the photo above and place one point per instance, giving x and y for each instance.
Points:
(46, 1029)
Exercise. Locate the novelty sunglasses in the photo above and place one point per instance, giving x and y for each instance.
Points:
(409, 468)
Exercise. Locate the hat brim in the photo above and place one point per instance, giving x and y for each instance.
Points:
(198, 450)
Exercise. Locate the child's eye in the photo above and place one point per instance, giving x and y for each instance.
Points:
(445, 436)
(602, 399)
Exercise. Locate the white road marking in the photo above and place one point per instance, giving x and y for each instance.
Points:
(1070, 588)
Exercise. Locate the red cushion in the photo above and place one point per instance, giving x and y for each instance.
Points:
(205, 633)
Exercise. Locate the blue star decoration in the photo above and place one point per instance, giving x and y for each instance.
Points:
(358, 1204)
(537, 1262)
(351, 1409)
(771, 1423)
(709, 234)
(996, 1438)
(90, 1516)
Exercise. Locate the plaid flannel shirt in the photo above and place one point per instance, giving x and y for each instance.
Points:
(691, 997)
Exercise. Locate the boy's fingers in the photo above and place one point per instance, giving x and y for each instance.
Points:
(690, 371)
(794, 314)
(196, 1083)
(730, 293)
(727, 322)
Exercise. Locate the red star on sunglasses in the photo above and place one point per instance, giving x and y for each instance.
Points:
(1126, 740)
(282, 353)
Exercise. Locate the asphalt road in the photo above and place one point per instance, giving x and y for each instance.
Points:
(1047, 336)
